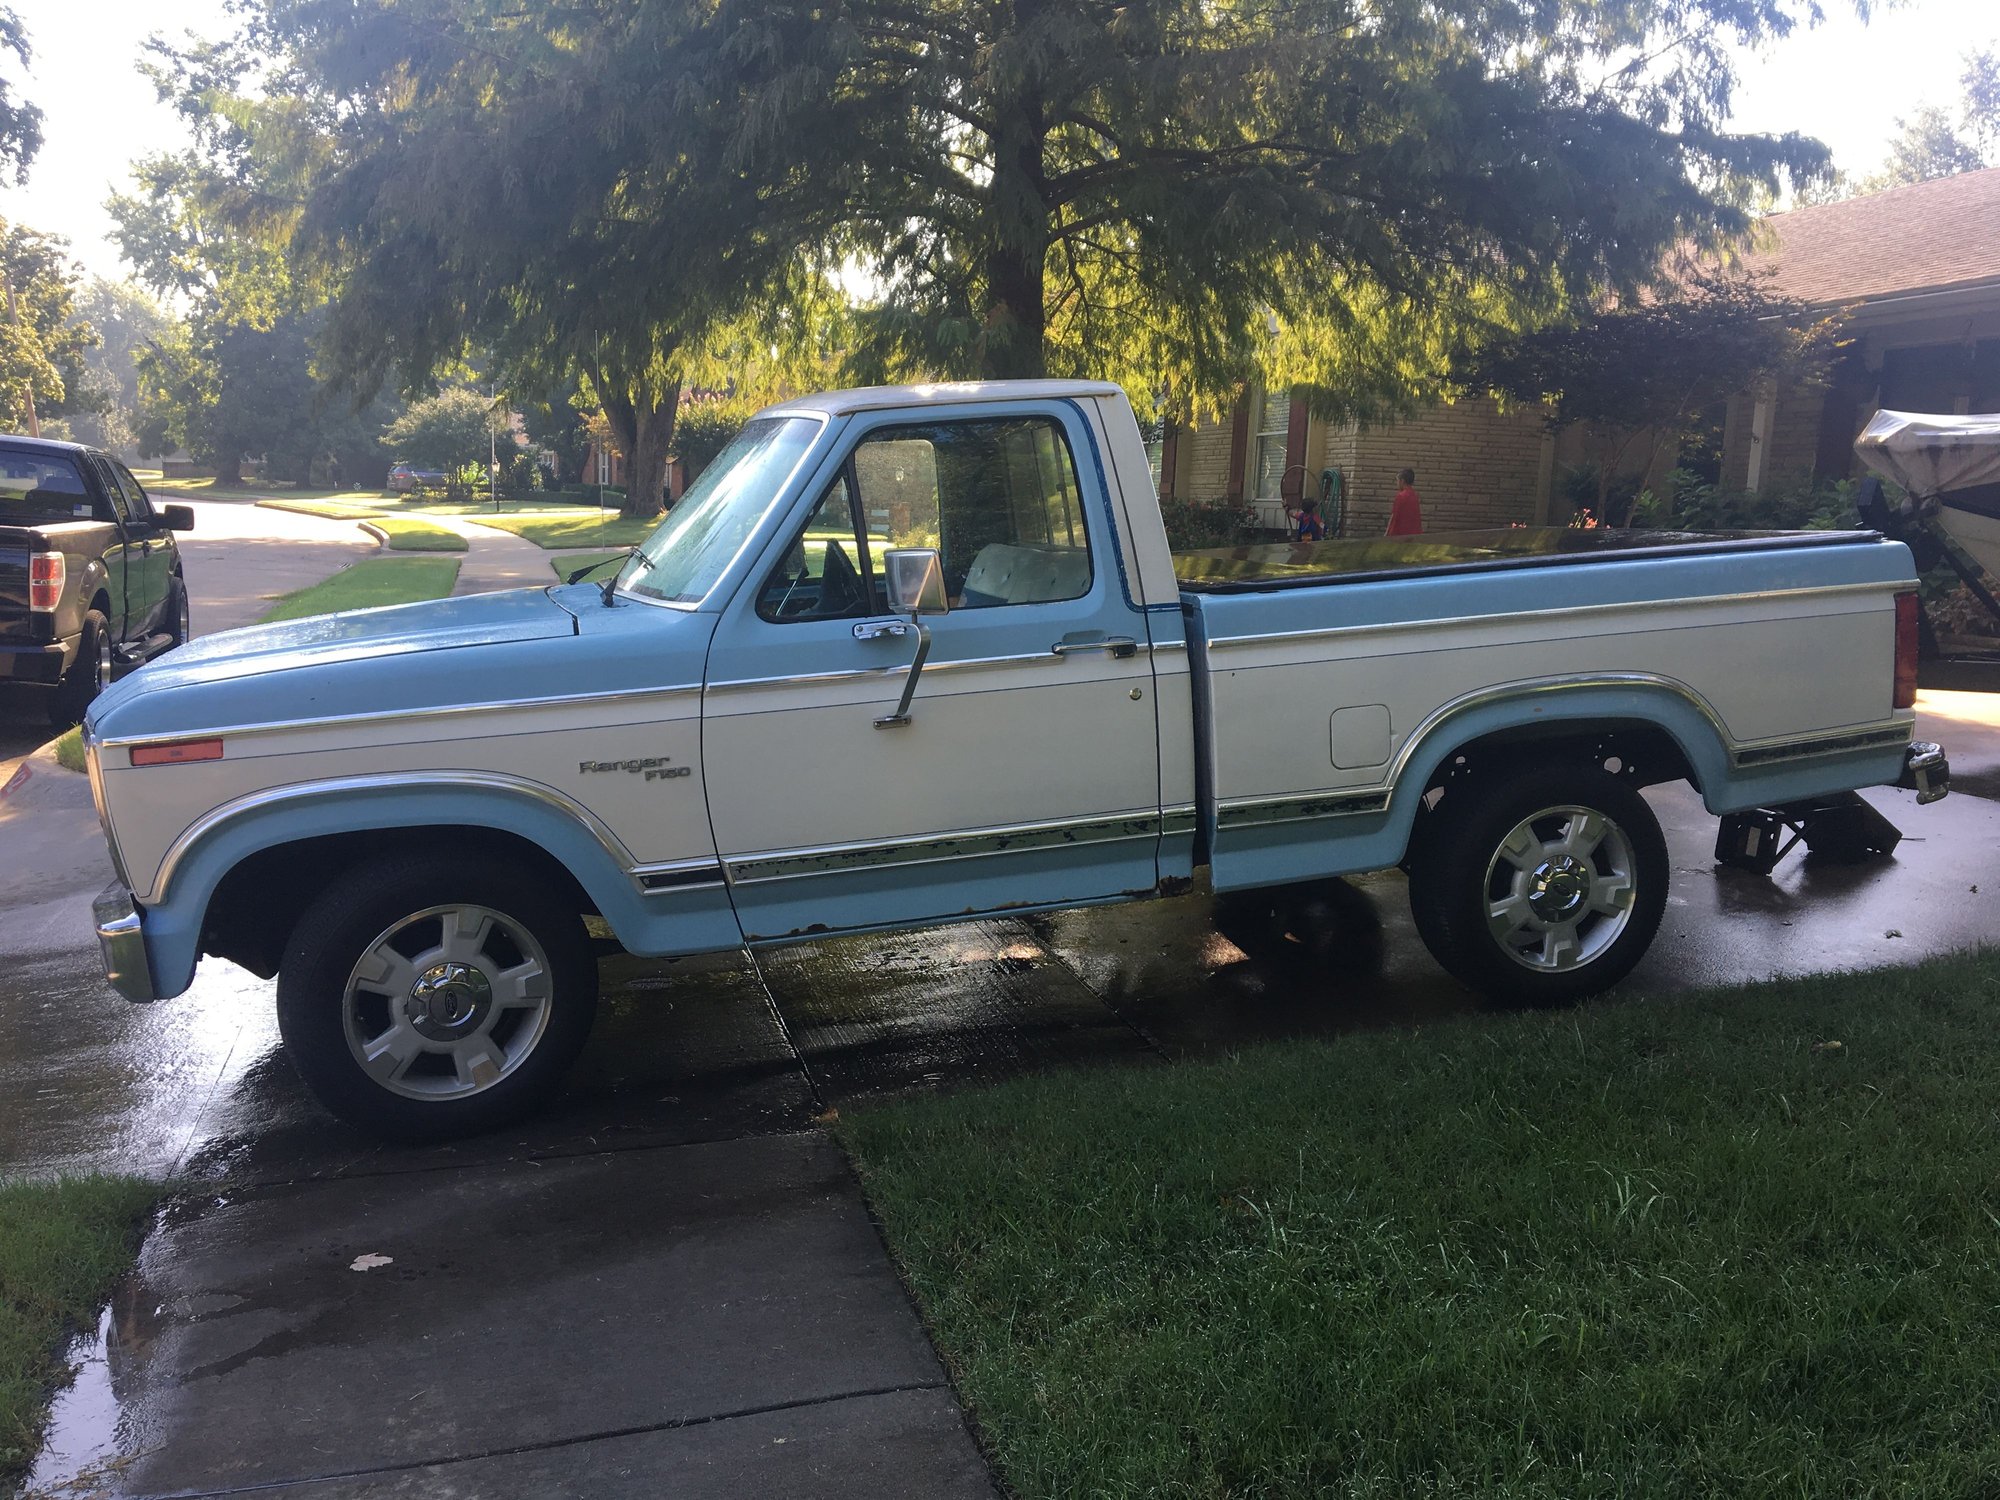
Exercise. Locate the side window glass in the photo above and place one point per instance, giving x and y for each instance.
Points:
(138, 500)
(109, 480)
(824, 573)
(999, 499)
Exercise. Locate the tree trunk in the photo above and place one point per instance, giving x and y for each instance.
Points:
(646, 459)
(229, 469)
(642, 424)
(1011, 340)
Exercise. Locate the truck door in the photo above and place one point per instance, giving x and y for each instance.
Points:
(1028, 771)
(124, 559)
(147, 532)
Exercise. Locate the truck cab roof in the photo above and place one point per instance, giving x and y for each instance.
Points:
(946, 393)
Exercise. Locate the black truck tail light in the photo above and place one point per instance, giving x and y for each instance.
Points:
(47, 572)
(1906, 651)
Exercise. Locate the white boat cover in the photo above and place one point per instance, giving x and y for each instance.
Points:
(1932, 455)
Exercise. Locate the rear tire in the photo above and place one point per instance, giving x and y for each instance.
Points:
(427, 998)
(88, 675)
(1549, 887)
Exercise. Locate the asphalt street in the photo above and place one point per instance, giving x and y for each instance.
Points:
(668, 1283)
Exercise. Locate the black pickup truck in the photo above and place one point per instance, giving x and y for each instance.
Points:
(90, 578)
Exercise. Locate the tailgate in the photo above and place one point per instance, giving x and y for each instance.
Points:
(14, 547)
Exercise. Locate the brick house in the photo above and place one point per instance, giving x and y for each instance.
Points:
(1476, 465)
(1917, 270)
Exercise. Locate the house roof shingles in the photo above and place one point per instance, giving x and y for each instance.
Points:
(1925, 237)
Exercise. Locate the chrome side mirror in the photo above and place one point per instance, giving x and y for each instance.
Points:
(914, 578)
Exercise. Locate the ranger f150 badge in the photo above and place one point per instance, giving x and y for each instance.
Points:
(654, 767)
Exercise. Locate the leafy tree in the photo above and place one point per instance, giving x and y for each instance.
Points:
(42, 347)
(447, 431)
(1638, 379)
(540, 185)
(1939, 142)
(125, 321)
(20, 121)
(1176, 192)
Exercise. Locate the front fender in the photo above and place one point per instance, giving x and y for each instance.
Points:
(688, 915)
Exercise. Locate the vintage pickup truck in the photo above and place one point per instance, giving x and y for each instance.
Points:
(906, 656)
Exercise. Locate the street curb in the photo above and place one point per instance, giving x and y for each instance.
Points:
(16, 781)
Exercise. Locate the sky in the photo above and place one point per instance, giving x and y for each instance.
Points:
(1844, 82)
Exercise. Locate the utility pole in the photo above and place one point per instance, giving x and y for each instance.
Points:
(492, 452)
(14, 312)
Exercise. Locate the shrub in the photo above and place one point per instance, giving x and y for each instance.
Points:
(704, 427)
(1195, 524)
(1691, 504)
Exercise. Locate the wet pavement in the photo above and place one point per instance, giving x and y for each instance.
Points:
(667, 1283)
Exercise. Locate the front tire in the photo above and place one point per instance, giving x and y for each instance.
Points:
(179, 625)
(1549, 888)
(428, 998)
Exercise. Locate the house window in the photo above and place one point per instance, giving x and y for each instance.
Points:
(603, 464)
(1274, 421)
(1155, 433)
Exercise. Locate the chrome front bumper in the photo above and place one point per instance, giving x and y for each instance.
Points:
(1925, 771)
(121, 934)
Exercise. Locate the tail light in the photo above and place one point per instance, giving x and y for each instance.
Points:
(1906, 651)
(47, 572)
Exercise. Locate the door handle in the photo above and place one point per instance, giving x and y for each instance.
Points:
(876, 630)
(1117, 645)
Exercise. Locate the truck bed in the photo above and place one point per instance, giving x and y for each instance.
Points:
(1228, 570)
(1329, 674)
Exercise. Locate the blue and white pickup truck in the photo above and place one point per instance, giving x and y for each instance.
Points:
(912, 655)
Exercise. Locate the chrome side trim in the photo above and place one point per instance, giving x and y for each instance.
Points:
(890, 669)
(1254, 812)
(1764, 752)
(1578, 611)
(975, 843)
(254, 802)
(393, 715)
(1175, 821)
(678, 875)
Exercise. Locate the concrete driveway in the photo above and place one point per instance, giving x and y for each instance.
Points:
(669, 1283)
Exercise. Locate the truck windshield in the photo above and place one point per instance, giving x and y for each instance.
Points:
(41, 487)
(681, 561)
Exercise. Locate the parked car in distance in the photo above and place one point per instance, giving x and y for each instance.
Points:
(915, 655)
(90, 577)
(404, 478)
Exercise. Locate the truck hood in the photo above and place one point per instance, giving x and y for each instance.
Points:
(308, 667)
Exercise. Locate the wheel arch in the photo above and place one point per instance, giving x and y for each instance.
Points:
(298, 837)
(1656, 730)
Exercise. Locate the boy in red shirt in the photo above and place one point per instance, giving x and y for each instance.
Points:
(1405, 516)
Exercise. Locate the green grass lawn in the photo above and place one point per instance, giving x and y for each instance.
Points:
(62, 1245)
(586, 530)
(371, 582)
(1739, 1243)
(332, 510)
(413, 534)
(69, 749)
(571, 562)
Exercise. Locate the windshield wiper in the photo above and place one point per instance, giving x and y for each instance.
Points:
(603, 562)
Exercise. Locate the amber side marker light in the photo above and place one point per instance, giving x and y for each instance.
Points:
(177, 753)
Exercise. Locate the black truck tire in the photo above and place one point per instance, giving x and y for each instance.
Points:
(424, 998)
(1547, 888)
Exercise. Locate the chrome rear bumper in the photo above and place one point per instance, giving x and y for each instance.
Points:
(121, 934)
(1926, 771)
